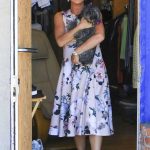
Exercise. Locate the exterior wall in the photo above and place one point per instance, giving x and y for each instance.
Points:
(145, 76)
(145, 63)
(145, 137)
(5, 74)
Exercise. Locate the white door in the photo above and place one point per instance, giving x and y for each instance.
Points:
(14, 75)
(21, 102)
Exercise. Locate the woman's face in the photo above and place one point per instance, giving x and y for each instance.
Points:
(77, 1)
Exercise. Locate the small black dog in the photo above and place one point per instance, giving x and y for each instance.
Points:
(92, 15)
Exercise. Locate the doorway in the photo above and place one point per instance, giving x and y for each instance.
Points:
(124, 96)
(59, 55)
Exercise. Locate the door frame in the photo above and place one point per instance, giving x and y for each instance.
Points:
(138, 84)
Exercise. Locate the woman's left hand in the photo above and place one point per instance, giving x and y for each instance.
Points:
(75, 59)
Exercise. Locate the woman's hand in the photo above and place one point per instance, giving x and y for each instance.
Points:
(75, 59)
(84, 24)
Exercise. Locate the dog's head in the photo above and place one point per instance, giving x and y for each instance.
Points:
(92, 14)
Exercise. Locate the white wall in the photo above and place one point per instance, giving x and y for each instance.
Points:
(5, 74)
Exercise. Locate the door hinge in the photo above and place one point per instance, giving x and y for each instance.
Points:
(15, 88)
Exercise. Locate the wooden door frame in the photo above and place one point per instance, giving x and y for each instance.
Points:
(25, 78)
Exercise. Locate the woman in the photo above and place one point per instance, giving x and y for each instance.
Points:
(82, 103)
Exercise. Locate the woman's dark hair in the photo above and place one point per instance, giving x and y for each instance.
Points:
(65, 5)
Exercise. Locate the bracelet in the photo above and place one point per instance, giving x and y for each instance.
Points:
(75, 53)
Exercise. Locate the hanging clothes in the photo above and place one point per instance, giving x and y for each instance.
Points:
(110, 48)
(119, 70)
(33, 2)
(130, 33)
(42, 3)
(106, 10)
(124, 26)
(43, 16)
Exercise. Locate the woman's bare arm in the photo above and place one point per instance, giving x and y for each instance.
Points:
(94, 40)
(61, 37)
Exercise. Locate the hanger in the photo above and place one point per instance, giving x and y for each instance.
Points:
(126, 8)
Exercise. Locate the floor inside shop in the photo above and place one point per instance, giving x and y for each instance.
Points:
(124, 138)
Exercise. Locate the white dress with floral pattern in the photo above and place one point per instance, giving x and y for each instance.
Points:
(82, 104)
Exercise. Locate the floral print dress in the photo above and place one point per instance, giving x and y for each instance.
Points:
(82, 104)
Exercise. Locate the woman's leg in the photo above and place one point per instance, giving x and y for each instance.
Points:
(80, 142)
(95, 142)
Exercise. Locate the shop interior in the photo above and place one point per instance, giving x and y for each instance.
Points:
(119, 50)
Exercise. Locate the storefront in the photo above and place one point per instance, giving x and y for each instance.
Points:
(15, 102)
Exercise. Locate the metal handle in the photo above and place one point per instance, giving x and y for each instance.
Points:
(28, 50)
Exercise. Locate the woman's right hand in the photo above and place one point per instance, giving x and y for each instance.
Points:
(75, 59)
(84, 24)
